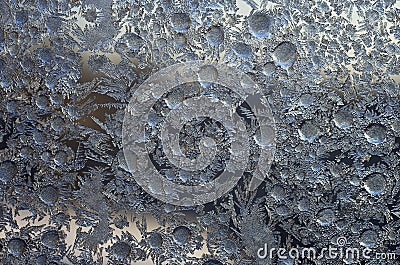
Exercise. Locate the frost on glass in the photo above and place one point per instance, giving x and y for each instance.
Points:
(329, 70)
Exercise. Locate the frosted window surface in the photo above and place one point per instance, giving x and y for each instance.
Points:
(320, 162)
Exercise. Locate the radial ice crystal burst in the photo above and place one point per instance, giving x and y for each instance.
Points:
(197, 131)
(180, 21)
(206, 133)
(285, 54)
(215, 35)
(260, 24)
(16, 246)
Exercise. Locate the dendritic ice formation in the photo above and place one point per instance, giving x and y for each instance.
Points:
(193, 130)
(329, 70)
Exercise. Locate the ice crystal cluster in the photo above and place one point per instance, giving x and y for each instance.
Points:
(329, 70)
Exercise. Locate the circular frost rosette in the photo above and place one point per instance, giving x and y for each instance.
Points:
(194, 103)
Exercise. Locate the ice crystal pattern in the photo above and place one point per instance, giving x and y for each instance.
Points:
(329, 70)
